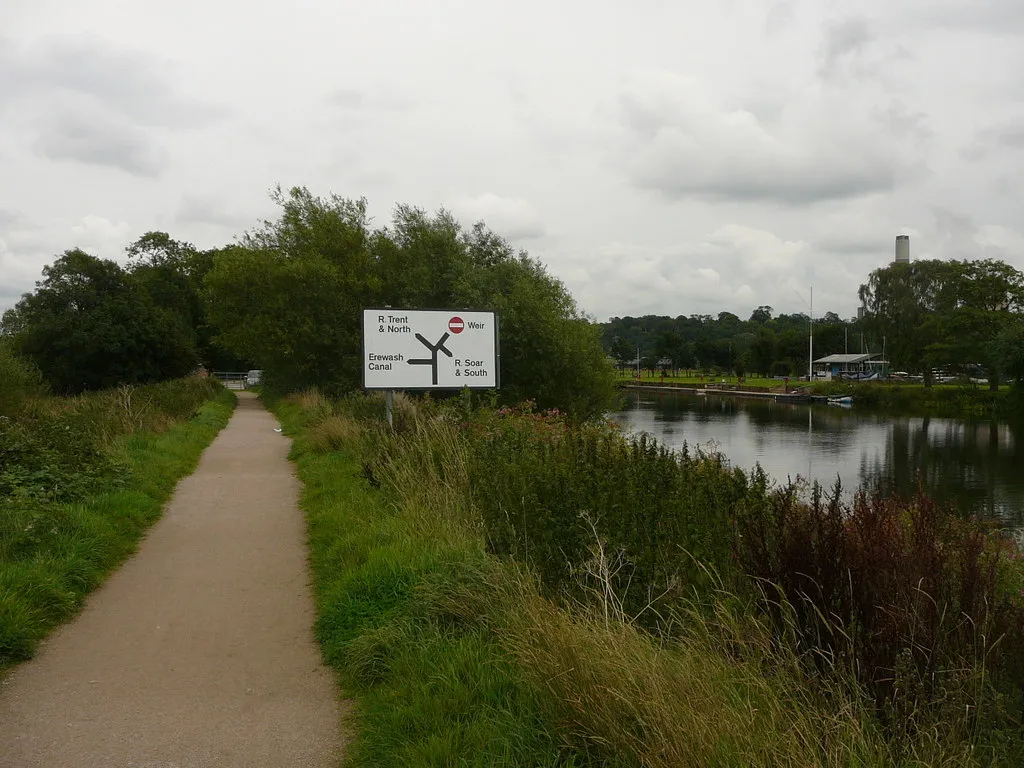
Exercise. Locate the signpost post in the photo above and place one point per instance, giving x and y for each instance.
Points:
(428, 349)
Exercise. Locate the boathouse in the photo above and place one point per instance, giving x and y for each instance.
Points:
(859, 366)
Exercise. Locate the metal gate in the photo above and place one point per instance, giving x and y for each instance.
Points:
(232, 379)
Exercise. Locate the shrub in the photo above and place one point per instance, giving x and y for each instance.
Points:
(57, 450)
(911, 598)
(78, 485)
(547, 489)
(20, 381)
(896, 615)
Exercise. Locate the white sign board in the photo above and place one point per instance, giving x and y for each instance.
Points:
(429, 349)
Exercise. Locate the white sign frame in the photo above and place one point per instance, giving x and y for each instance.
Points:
(449, 349)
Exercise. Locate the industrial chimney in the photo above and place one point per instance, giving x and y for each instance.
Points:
(902, 249)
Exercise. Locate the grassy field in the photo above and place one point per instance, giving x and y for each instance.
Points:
(455, 656)
(431, 690)
(82, 479)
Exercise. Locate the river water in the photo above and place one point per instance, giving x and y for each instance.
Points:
(976, 464)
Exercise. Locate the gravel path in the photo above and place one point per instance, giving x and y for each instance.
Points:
(199, 651)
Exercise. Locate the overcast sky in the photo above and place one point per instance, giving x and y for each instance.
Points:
(660, 156)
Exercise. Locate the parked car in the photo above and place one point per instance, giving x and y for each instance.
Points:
(253, 378)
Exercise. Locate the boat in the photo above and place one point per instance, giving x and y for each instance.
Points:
(846, 400)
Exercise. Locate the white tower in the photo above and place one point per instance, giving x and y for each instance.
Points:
(902, 249)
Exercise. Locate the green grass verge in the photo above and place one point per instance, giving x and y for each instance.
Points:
(941, 399)
(53, 554)
(453, 656)
(429, 690)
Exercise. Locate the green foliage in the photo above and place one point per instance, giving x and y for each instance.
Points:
(1007, 350)
(291, 315)
(72, 506)
(89, 326)
(547, 490)
(290, 297)
(943, 313)
(454, 659)
(763, 351)
(20, 381)
(59, 448)
(723, 344)
(49, 460)
(945, 400)
(430, 689)
(896, 598)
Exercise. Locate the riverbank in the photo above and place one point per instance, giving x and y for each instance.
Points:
(82, 479)
(937, 400)
(780, 394)
(511, 589)
(895, 398)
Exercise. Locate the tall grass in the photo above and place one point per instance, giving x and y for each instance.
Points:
(20, 381)
(899, 599)
(624, 610)
(431, 690)
(81, 480)
(923, 606)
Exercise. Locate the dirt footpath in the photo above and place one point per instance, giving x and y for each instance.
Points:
(199, 651)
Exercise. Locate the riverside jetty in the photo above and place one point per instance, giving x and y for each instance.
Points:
(779, 394)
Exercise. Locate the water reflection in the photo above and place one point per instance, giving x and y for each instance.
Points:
(979, 465)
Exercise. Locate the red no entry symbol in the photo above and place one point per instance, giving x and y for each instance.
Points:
(455, 325)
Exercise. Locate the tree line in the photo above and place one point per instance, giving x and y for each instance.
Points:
(958, 316)
(287, 298)
(763, 345)
(965, 318)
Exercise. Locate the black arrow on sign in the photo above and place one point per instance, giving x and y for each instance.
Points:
(434, 349)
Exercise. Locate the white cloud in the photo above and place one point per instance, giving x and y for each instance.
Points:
(1008, 242)
(101, 237)
(19, 272)
(212, 211)
(691, 157)
(511, 217)
(685, 143)
(98, 139)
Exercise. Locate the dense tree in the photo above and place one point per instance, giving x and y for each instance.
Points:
(670, 346)
(20, 380)
(764, 351)
(944, 314)
(1007, 350)
(172, 273)
(88, 325)
(290, 297)
(763, 344)
(621, 350)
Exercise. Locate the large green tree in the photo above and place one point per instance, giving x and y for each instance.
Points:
(943, 314)
(88, 325)
(290, 297)
(1007, 348)
(764, 351)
